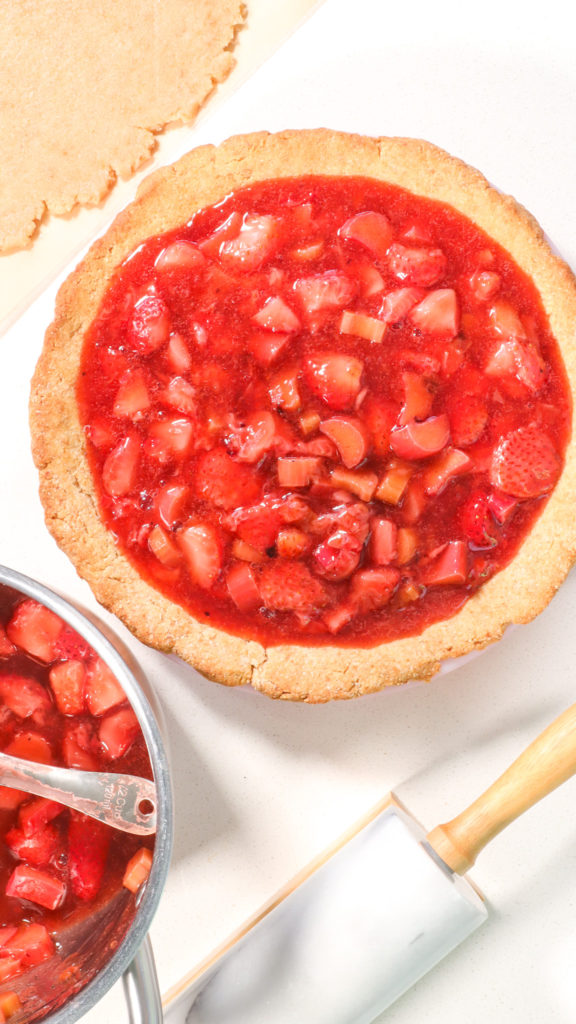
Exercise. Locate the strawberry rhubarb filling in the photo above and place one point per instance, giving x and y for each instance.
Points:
(323, 410)
(61, 705)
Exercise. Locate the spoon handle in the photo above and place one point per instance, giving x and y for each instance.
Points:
(126, 802)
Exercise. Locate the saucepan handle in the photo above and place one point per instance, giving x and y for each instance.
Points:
(141, 987)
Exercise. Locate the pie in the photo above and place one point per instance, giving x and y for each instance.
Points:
(304, 415)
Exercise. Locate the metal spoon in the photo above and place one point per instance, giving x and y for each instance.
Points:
(126, 802)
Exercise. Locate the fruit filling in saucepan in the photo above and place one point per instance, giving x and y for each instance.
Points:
(59, 704)
(325, 409)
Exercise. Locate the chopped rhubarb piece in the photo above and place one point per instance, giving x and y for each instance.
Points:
(420, 440)
(37, 849)
(323, 293)
(335, 378)
(169, 438)
(437, 313)
(132, 398)
(137, 869)
(35, 814)
(34, 629)
(103, 691)
(283, 389)
(290, 586)
(417, 398)
(468, 417)
(477, 521)
(292, 543)
(28, 883)
(170, 502)
(452, 462)
(163, 547)
(421, 267)
(309, 422)
(67, 684)
(276, 315)
(484, 284)
(178, 354)
(379, 415)
(245, 552)
(502, 506)
(362, 483)
(407, 544)
(372, 588)
(119, 472)
(267, 346)
(362, 326)
(525, 463)
(371, 230)
(150, 327)
(242, 587)
(117, 732)
(7, 648)
(393, 484)
(88, 844)
(448, 565)
(9, 1004)
(383, 541)
(414, 502)
(338, 556)
(398, 303)
(25, 697)
(298, 471)
(202, 551)
(180, 255)
(408, 592)
(220, 480)
(350, 437)
(32, 747)
(254, 243)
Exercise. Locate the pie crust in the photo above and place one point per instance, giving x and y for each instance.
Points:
(167, 199)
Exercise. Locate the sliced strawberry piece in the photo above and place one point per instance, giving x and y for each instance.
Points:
(407, 541)
(256, 435)
(298, 471)
(369, 278)
(484, 284)
(414, 502)
(338, 617)
(229, 228)
(324, 293)
(290, 586)
(242, 587)
(79, 747)
(37, 849)
(448, 565)
(7, 648)
(505, 321)
(437, 313)
(163, 547)
(362, 326)
(398, 303)
(150, 327)
(202, 550)
(119, 472)
(276, 315)
(178, 354)
(220, 480)
(502, 506)
(132, 398)
(420, 440)
(67, 680)
(383, 541)
(267, 346)
(372, 588)
(103, 691)
(422, 267)
(31, 945)
(103, 433)
(353, 518)
(88, 843)
(169, 438)
(35, 814)
(512, 358)
(25, 697)
(28, 883)
(71, 645)
(335, 378)
(254, 243)
(379, 416)
(32, 747)
(477, 521)
(371, 230)
(338, 556)
(418, 399)
(283, 389)
(525, 464)
(117, 732)
(180, 395)
(137, 869)
(468, 415)
(34, 629)
(292, 543)
(246, 553)
(450, 463)
(170, 502)
(350, 437)
(180, 255)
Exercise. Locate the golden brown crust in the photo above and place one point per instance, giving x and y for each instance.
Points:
(167, 199)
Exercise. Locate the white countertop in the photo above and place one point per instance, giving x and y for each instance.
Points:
(262, 787)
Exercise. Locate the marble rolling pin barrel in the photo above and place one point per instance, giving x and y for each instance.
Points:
(366, 921)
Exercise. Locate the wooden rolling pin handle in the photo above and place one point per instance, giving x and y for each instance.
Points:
(544, 765)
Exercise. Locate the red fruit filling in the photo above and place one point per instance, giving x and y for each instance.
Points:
(324, 408)
(59, 704)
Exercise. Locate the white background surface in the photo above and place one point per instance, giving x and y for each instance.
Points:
(262, 787)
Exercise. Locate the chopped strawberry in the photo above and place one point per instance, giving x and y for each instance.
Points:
(257, 525)
(28, 883)
(163, 547)
(132, 398)
(468, 415)
(35, 814)
(290, 586)
(229, 228)
(25, 697)
(170, 502)
(379, 415)
(350, 437)
(7, 648)
(169, 438)
(502, 506)
(450, 463)
(119, 472)
(512, 358)
(267, 346)
(276, 315)
(370, 279)
(525, 463)
(372, 588)
(368, 327)
(421, 267)
(414, 501)
(447, 565)
(103, 691)
(137, 869)
(505, 321)
(477, 521)
(338, 556)
(178, 354)
(220, 480)
(202, 551)
(79, 746)
(397, 304)
(338, 617)
(180, 395)
(71, 645)
(88, 843)
(437, 313)
(30, 945)
(34, 629)
(298, 471)
(150, 327)
(484, 284)
(292, 543)
(371, 230)
(283, 389)
(242, 587)
(67, 680)
(407, 542)
(323, 293)
(335, 378)
(246, 553)
(254, 243)
(37, 849)
(180, 255)
(117, 732)
(257, 434)
(31, 746)
(420, 440)
(383, 540)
